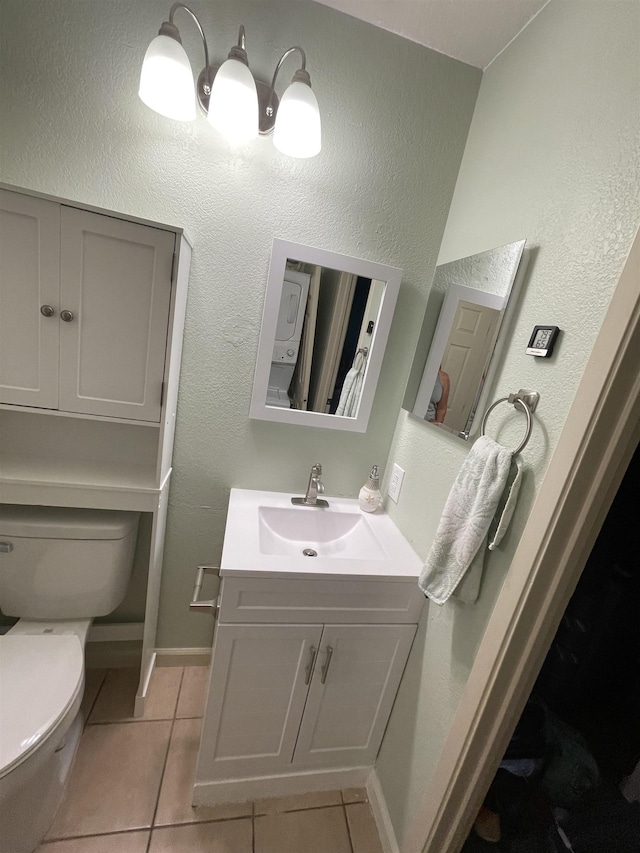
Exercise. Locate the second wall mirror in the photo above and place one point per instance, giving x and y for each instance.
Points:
(324, 331)
(455, 380)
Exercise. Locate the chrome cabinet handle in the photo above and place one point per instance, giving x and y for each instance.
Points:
(326, 664)
(6, 547)
(47, 311)
(67, 316)
(210, 606)
(313, 652)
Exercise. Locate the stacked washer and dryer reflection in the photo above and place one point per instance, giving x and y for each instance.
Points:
(293, 303)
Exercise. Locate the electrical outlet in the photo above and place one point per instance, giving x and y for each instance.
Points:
(395, 483)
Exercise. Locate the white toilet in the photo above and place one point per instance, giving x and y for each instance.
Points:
(59, 568)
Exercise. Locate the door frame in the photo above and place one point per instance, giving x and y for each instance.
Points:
(592, 454)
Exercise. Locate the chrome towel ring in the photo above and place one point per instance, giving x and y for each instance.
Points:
(528, 401)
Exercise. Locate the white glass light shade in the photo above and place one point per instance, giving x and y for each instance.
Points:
(297, 130)
(233, 104)
(166, 80)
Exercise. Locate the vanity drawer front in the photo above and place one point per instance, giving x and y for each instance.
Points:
(334, 601)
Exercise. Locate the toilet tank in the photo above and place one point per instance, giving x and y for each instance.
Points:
(61, 563)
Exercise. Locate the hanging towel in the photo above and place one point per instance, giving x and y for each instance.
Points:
(352, 388)
(458, 548)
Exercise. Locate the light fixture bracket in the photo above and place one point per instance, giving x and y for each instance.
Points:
(267, 102)
(169, 29)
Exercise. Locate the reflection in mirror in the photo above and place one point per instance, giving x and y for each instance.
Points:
(455, 380)
(324, 330)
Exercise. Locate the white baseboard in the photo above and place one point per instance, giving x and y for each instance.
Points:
(381, 814)
(242, 790)
(184, 657)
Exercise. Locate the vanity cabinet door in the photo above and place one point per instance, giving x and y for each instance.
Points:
(258, 686)
(116, 284)
(354, 685)
(29, 290)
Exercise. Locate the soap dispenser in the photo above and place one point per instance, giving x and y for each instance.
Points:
(369, 497)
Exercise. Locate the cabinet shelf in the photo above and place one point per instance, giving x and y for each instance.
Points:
(56, 413)
(37, 481)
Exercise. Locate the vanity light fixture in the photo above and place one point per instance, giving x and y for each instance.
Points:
(236, 104)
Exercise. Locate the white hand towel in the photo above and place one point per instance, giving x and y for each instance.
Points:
(465, 521)
(352, 389)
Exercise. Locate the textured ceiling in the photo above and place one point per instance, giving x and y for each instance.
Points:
(474, 31)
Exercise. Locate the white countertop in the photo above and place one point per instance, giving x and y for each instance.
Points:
(246, 553)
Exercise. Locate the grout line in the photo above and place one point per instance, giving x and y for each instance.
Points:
(149, 829)
(164, 766)
(134, 720)
(95, 698)
(253, 827)
(63, 838)
(302, 809)
(346, 820)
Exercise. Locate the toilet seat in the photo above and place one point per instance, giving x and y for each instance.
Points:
(41, 676)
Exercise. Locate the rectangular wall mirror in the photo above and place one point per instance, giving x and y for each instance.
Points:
(462, 355)
(324, 331)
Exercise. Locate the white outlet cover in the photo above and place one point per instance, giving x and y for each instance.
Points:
(395, 483)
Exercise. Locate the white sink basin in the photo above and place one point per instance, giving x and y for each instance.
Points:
(290, 532)
(266, 534)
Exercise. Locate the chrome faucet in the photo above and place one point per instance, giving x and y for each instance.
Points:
(315, 487)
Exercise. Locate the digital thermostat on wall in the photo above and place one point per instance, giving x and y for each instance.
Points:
(542, 341)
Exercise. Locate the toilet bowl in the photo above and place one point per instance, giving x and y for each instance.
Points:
(53, 565)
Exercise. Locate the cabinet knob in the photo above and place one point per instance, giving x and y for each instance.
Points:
(67, 316)
(47, 311)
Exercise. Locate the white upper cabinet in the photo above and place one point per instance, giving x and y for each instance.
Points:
(84, 310)
(29, 290)
(116, 282)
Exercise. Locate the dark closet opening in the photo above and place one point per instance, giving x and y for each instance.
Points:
(581, 726)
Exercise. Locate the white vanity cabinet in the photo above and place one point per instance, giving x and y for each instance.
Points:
(85, 309)
(92, 307)
(301, 704)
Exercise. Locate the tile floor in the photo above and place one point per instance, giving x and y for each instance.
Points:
(130, 787)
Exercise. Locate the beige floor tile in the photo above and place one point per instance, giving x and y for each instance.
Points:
(312, 831)
(363, 829)
(276, 805)
(117, 697)
(193, 692)
(115, 780)
(93, 679)
(177, 783)
(123, 842)
(227, 836)
(354, 795)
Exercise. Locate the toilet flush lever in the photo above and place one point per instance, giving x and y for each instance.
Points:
(210, 606)
(6, 547)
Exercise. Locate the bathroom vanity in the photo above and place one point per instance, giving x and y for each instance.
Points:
(308, 651)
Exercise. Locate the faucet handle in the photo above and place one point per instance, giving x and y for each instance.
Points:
(316, 468)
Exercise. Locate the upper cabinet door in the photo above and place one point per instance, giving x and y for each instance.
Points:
(354, 684)
(115, 295)
(29, 311)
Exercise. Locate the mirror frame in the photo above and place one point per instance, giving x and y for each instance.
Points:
(502, 302)
(283, 250)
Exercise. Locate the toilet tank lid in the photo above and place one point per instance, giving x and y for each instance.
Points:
(50, 522)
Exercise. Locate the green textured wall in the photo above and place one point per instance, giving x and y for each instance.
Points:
(395, 118)
(552, 156)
